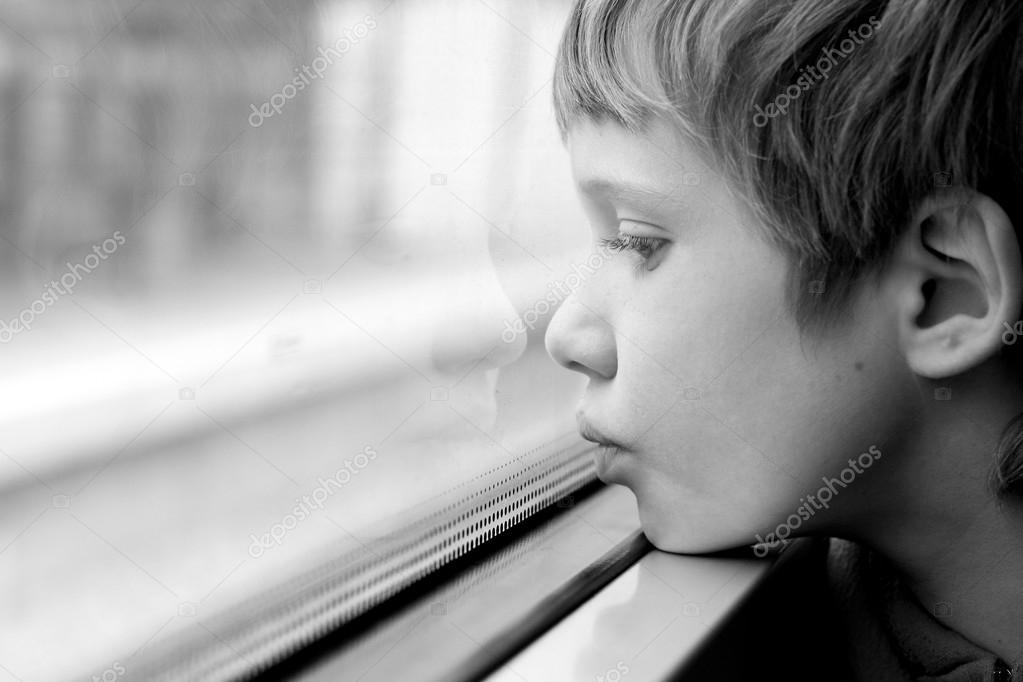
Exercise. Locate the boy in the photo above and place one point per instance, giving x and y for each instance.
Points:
(817, 287)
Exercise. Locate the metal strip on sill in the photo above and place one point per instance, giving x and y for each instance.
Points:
(337, 650)
(258, 634)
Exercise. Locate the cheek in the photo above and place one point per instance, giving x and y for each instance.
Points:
(739, 458)
(710, 492)
(704, 308)
(702, 484)
(682, 329)
(739, 416)
(688, 371)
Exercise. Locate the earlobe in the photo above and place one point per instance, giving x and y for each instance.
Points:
(959, 279)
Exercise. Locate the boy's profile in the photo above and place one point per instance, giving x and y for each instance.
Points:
(816, 207)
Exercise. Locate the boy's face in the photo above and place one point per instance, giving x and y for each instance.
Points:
(725, 416)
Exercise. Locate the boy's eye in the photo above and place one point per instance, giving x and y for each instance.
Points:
(646, 247)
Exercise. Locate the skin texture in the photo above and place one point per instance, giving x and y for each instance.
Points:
(728, 416)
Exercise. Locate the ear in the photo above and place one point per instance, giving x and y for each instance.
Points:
(959, 278)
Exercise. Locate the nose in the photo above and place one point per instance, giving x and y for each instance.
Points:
(580, 340)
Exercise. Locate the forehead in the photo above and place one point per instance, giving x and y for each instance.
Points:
(603, 148)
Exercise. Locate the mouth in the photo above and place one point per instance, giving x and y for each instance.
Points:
(607, 449)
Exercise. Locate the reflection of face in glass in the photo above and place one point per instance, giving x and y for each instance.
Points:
(434, 137)
(425, 289)
(459, 303)
(468, 344)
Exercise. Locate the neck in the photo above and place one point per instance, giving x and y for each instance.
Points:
(959, 547)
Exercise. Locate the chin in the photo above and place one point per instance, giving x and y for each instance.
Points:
(676, 532)
(668, 540)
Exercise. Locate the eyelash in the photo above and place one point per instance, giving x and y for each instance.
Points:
(646, 247)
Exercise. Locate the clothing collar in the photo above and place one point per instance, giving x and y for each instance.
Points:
(886, 623)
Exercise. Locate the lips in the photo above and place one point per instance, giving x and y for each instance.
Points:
(593, 434)
(607, 456)
(606, 453)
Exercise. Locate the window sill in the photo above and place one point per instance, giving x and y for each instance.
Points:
(645, 625)
(650, 618)
(450, 630)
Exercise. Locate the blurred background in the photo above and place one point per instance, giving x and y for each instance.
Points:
(274, 273)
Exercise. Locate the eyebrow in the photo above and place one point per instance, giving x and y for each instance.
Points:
(626, 192)
(613, 188)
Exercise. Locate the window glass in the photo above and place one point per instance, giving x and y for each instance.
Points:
(260, 257)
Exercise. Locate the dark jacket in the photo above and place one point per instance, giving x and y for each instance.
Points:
(831, 611)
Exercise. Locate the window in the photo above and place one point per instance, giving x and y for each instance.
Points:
(276, 277)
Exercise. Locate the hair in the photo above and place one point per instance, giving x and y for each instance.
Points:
(832, 119)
